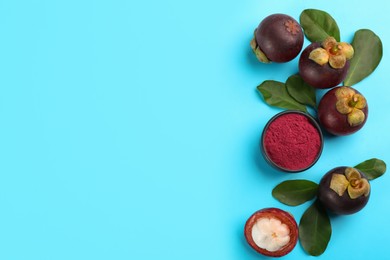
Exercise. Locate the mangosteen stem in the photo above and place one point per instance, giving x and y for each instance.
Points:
(334, 50)
(354, 100)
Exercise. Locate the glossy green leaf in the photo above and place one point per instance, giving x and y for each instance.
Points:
(315, 229)
(318, 25)
(372, 168)
(301, 91)
(275, 94)
(368, 54)
(295, 192)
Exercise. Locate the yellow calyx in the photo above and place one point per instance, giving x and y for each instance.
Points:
(351, 104)
(352, 181)
(332, 52)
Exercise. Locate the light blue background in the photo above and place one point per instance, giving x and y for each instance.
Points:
(130, 129)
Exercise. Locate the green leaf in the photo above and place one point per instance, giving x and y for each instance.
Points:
(315, 229)
(318, 25)
(275, 94)
(295, 192)
(301, 91)
(368, 54)
(372, 168)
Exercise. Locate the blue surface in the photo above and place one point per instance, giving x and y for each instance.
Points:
(130, 129)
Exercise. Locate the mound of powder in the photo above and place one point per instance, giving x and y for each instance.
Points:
(292, 142)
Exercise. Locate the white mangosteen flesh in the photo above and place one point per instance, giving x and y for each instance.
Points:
(270, 234)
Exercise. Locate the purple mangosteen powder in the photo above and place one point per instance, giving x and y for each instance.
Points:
(292, 142)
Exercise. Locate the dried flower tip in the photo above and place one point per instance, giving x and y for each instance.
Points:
(319, 56)
(346, 49)
(337, 61)
(339, 183)
(344, 92)
(328, 43)
(352, 181)
(356, 117)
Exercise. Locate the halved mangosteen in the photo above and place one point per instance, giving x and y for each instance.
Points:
(271, 232)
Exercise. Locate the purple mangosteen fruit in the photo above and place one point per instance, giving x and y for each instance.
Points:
(278, 38)
(342, 111)
(326, 64)
(344, 190)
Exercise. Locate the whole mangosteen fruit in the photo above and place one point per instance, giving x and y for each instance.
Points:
(342, 111)
(344, 190)
(278, 38)
(271, 232)
(326, 64)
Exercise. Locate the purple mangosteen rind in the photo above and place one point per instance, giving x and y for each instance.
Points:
(333, 202)
(320, 76)
(278, 38)
(332, 120)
